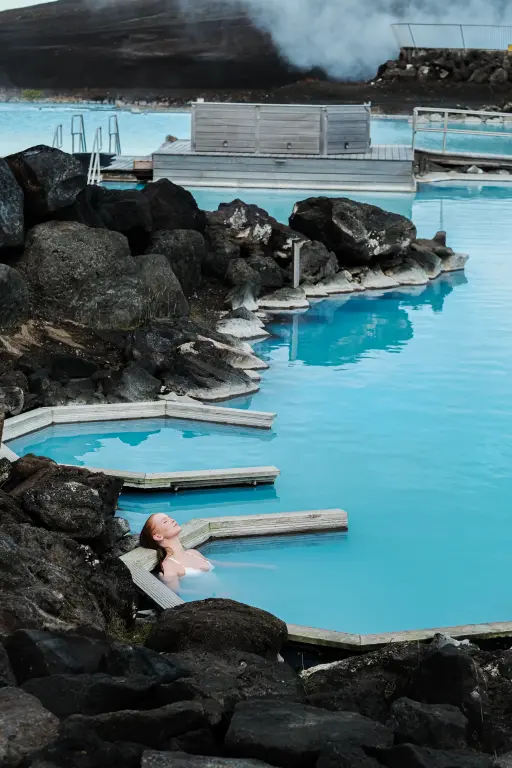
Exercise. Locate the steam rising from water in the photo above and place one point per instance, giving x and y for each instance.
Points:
(350, 38)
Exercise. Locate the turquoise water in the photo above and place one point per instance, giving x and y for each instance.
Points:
(396, 407)
(23, 125)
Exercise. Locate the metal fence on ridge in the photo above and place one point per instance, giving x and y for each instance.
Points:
(463, 36)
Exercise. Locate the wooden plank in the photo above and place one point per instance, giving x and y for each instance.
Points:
(323, 637)
(383, 167)
(273, 524)
(6, 453)
(302, 164)
(211, 478)
(219, 415)
(162, 595)
(16, 426)
(489, 630)
(291, 176)
(183, 480)
(195, 532)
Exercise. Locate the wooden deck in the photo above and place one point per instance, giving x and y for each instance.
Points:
(384, 167)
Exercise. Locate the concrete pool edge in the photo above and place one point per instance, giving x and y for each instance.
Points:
(31, 421)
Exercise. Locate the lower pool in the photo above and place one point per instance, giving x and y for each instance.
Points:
(396, 407)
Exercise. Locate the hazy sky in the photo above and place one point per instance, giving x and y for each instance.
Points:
(5, 5)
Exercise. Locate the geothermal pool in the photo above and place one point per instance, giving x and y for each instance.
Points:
(142, 131)
(396, 407)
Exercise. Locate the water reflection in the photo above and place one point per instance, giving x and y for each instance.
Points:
(342, 331)
(86, 440)
(137, 506)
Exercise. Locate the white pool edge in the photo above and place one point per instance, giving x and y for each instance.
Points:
(31, 421)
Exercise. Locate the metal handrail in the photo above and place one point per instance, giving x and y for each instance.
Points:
(78, 134)
(445, 129)
(490, 37)
(57, 137)
(94, 172)
(114, 139)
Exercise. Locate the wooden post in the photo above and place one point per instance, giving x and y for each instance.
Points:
(297, 245)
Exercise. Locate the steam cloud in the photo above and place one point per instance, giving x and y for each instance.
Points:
(349, 39)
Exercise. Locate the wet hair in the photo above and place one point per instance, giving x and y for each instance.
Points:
(147, 541)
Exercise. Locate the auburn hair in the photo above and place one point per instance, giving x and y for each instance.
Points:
(147, 541)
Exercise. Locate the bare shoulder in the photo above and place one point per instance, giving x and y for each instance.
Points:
(195, 552)
(171, 568)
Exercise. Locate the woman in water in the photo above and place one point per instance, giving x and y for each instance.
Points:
(162, 533)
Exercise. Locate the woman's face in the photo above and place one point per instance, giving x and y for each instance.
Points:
(164, 527)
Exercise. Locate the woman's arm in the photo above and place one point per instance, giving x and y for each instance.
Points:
(223, 564)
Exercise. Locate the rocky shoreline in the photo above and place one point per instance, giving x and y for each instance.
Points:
(98, 295)
(101, 290)
(91, 676)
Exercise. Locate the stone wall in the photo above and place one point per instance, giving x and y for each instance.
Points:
(450, 65)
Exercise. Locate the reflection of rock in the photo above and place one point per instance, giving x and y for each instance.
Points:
(341, 332)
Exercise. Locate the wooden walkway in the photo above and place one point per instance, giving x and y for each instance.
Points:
(377, 152)
(186, 480)
(385, 167)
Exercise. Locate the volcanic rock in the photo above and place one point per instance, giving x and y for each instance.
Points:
(358, 233)
(89, 694)
(235, 676)
(153, 728)
(36, 654)
(173, 207)
(50, 180)
(14, 297)
(287, 733)
(185, 250)
(25, 726)
(12, 400)
(409, 756)
(11, 210)
(106, 289)
(434, 725)
(182, 760)
(218, 625)
(120, 210)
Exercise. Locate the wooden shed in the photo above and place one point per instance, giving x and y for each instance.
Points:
(280, 128)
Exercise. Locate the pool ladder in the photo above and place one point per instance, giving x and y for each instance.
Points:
(78, 137)
(94, 172)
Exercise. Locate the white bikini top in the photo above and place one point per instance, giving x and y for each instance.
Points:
(193, 571)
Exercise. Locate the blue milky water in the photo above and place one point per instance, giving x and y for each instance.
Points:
(396, 407)
(142, 132)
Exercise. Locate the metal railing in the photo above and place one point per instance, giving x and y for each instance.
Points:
(445, 128)
(114, 140)
(488, 37)
(57, 137)
(94, 172)
(78, 142)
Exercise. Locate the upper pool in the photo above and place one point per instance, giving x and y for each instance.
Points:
(396, 407)
(27, 124)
